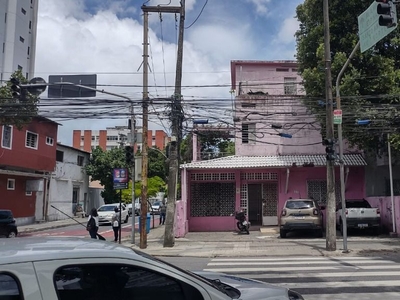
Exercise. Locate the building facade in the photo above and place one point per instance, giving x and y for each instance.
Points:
(113, 137)
(279, 154)
(18, 37)
(27, 158)
(69, 184)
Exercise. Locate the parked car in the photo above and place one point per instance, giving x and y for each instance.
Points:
(106, 212)
(155, 208)
(301, 214)
(78, 268)
(8, 227)
(359, 215)
(137, 208)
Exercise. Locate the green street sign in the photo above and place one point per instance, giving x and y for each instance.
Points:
(369, 30)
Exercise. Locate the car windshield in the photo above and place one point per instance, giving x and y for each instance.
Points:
(106, 208)
(299, 204)
(357, 204)
(156, 204)
(216, 284)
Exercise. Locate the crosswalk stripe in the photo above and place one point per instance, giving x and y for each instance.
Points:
(339, 258)
(269, 269)
(339, 284)
(347, 296)
(263, 263)
(320, 275)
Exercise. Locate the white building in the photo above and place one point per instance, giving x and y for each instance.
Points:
(18, 37)
(69, 184)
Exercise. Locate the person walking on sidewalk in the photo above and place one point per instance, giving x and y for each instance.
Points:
(93, 223)
(115, 223)
(163, 211)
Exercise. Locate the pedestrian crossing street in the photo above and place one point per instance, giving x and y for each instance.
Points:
(320, 278)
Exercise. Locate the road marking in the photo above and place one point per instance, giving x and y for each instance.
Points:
(272, 263)
(339, 284)
(318, 275)
(294, 258)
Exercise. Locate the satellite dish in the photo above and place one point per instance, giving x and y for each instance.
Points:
(38, 86)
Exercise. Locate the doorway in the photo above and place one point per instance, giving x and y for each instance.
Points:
(255, 204)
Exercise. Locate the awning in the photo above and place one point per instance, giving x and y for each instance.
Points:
(25, 174)
(279, 161)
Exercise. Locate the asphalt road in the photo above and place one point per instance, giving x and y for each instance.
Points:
(80, 230)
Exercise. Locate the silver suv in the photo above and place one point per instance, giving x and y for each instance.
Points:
(301, 214)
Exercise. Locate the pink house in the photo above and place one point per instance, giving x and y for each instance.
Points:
(279, 154)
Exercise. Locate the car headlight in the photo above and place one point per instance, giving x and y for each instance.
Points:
(294, 295)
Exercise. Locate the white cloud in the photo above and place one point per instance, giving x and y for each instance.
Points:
(261, 6)
(287, 31)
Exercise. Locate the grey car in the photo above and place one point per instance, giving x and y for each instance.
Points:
(82, 268)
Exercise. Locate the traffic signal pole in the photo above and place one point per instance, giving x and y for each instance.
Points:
(340, 138)
(330, 164)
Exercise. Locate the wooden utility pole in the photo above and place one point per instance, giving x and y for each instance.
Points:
(330, 164)
(171, 179)
(143, 208)
(176, 119)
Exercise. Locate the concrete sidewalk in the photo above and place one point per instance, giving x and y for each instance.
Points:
(265, 242)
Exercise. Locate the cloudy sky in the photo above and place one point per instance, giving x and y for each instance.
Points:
(105, 37)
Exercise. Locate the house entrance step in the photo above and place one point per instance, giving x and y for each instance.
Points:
(269, 230)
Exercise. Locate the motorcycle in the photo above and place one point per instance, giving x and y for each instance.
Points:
(242, 224)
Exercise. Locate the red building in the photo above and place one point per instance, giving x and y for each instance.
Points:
(27, 157)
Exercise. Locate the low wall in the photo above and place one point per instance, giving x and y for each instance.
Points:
(385, 205)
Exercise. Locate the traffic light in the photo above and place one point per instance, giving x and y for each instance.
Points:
(129, 155)
(330, 149)
(15, 88)
(386, 10)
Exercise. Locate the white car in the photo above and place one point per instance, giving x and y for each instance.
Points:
(81, 268)
(155, 208)
(106, 212)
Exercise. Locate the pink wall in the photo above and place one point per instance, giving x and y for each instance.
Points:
(385, 205)
(297, 182)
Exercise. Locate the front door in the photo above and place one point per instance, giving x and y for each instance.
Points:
(255, 204)
(270, 205)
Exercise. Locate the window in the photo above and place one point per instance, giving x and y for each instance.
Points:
(49, 141)
(113, 281)
(10, 287)
(23, 11)
(112, 138)
(290, 87)
(59, 156)
(248, 133)
(30, 24)
(31, 140)
(6, 141)
(10, 184)
(28, 193)
(20, 68)
(5, 18)
(81, 159)
(29, 50)
(316, 189)
(21, 39)
(282, 69)
(249, 105)
(4, 46)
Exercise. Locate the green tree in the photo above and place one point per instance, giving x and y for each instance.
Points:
(13, 111)
(157, 163)
(154, 185)
(371, 82)
(100, 167)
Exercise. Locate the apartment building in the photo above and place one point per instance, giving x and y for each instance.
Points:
(113, 137)
(18, 27)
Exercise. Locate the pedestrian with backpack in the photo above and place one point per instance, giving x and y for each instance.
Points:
(115, 223)
(93, 223)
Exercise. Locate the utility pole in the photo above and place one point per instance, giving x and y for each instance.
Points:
(133, 141)
(330, 164)
(143, 208)
(340, 138)
(176, 118)
(143, 217)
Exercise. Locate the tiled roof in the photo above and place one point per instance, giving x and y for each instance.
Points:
(243, 162)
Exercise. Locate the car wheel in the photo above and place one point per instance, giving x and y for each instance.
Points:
(126, 219)
(12, 234)
(282, 233)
